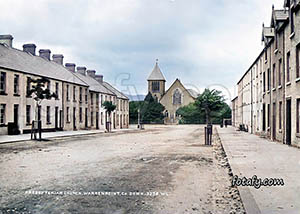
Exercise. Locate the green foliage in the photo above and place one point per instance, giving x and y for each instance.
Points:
(150, 110)
(40, 91)
(109, 107)
(209, 107)
(209, 102)
(190, 115)
(133, 110)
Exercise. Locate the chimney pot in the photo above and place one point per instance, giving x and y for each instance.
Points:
(99, 78)
(45, 53)
(70, 67)
(29, 48)
(58, 58)
(6, 39)
(81, 70)
(91, 73)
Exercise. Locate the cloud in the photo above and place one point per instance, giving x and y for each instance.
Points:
(203, 43)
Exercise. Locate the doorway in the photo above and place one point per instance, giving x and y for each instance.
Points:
(86, 117)
(288, 121)
(97, 120)
(74, 118)
(56, 118)
(264, 117)
(274, 122)
(16, 114)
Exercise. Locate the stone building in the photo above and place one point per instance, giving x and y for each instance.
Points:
(175, 97)
(268, 99)
(80, 93)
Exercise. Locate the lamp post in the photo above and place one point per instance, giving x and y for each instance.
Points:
(139, 124)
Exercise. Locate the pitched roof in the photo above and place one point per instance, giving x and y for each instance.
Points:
(94, 85)
(18, 60)
(115, 91)
(156, 74)
(193, 93)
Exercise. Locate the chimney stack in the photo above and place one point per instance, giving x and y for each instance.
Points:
(6, 39)
(81, 70)
(29, 48)
(91, 73)
(70, 67)
(58, 58)
(99, 78)
(45, 53)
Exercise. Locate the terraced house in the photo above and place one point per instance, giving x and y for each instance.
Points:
(81, 92)
(268, 101)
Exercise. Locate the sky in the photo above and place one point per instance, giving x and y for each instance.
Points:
(205, 44)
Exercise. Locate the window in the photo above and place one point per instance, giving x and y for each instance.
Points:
(68, 95)
(16, 84)
(280, 115)
(2, 82)
(298, 115)
(80, 114)
(28, 111)
(101, 118)
(269, 79)
(48, 85)
(86, 96)
(2, 114)
(292, 21)
(276, 41)
(279, 71)
(48, 115)
(68, 114)
(80, 94)
(56, 89)
(266, 55)
(264, 81)
(97, 99)
(101, 99)
(177, 97)
(288, 78)
(92, 97)
(274, 75)
(74, 93)
(298, 61)
(155, 86)
(28, 86)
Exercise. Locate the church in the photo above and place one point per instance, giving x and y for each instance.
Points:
(172, 99)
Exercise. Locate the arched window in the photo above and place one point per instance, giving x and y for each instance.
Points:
(155, 86)
(177, 97)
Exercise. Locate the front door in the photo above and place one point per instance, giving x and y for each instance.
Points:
(56, 118)
(16, 114)
(86, 117)
(74, 118)
(274, 121)
(97, 120)
(288, 122)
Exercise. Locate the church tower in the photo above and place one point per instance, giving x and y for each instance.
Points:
(156, 82)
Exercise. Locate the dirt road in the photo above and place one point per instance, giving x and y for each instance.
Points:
(163, 169)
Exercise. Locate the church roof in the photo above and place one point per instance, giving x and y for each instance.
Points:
(193, 93)
(156, 74)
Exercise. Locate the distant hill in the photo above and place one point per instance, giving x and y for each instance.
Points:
(138, 97)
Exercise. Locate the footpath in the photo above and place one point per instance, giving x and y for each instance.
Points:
(48, 135)
(250, 155)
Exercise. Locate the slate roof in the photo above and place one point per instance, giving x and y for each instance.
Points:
(156, 74)
(115, 91)
(94, 85)
(18, 60)
(193, 93)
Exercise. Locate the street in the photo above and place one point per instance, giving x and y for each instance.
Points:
(162, 169)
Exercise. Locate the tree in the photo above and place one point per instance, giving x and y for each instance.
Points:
(209, 101)
(40, 92)
(190, 114)
(134, 106)
(151, 110)
(109, 107)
